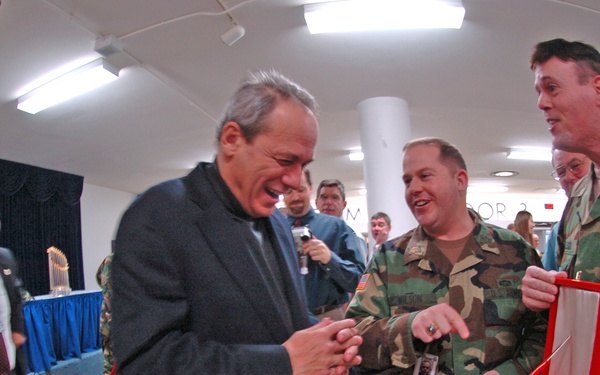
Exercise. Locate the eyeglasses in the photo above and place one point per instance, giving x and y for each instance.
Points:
(561, 171)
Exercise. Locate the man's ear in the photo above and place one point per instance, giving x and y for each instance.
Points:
(462, 179)
(231, 138)
(596, 84)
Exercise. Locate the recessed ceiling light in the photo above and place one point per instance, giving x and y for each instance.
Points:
(504, 173)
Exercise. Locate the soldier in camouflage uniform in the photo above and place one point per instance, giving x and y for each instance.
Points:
(103, 278)
(567, 79)
(449, 288)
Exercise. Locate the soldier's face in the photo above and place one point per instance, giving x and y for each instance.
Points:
(570, 107)
(433, 191)
(571, 167)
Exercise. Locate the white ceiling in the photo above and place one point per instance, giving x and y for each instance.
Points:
(471, 86)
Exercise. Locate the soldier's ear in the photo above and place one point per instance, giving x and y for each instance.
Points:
(596, 85)
(462, 179)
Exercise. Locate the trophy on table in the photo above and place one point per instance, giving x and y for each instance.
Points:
(58, 268)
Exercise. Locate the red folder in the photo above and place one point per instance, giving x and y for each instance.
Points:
(573, 339)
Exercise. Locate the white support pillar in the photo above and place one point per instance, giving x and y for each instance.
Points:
(384, 129)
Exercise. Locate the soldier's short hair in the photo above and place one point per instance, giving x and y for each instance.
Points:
(450, 156)
(584, 55)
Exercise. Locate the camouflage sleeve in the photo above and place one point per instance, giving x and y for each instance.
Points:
(387, 339)
(531, 350)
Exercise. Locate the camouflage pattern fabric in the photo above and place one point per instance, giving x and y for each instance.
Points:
(103, 278)
(410, 274)
(579, 233)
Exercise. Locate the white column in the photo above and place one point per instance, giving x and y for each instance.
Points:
(384, 129)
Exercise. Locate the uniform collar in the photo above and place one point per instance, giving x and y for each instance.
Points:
(416, 248)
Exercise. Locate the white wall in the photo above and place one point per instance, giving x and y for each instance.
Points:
(101, 211)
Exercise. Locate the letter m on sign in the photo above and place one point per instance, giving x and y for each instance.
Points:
(349, 214)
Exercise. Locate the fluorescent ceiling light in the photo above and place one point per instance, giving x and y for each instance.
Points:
(487, 189)
(363, 15)
(543, 154)
(67, 86)
(356, 155)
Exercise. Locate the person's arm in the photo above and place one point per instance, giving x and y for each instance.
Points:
(533, 326)
(386, 337)
(530, 349)
(347, 265)
(12, 281)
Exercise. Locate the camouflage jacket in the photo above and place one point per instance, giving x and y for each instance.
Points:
(579, 233)
(104, 280)
(410, 274)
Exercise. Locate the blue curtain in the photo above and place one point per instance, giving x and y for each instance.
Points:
(40, 208)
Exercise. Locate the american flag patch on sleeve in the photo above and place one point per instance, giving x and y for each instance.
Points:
(363, 281)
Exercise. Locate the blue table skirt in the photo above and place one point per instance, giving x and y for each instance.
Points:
(61, 328)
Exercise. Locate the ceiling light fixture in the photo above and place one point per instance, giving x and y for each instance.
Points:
(364, 15)
(504, 173)
(521, 153)
(356, 155)
(108, 45)
(81, 80)
(235, 33)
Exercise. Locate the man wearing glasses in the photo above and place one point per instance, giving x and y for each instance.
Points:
(569, 167)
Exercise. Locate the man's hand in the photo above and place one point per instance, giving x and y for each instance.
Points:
(436, 321)
(539, 290)
(18, 339)
(326, 348)
(317, 250)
